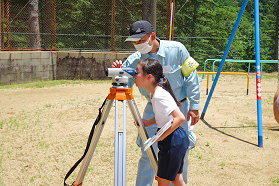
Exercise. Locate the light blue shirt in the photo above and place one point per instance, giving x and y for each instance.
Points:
(171, 55)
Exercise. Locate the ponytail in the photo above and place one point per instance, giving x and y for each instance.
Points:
(165, 84)
(153, 66)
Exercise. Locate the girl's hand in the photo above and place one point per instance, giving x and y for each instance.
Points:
(160, 139)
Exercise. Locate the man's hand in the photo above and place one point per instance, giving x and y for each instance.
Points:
(194, 114)
(117, 64)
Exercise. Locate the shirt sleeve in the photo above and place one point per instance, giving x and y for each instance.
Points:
(165, 104)
(192, 82)
(183, 54)
(131, 61)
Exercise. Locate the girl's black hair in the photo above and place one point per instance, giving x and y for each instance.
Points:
(154, 67)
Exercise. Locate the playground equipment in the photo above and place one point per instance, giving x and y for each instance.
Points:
(228, 73)
(258, 66)
(235, 61)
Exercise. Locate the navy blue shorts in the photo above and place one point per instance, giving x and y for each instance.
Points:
(171, 154)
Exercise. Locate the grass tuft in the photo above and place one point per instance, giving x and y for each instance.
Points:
(276, 180)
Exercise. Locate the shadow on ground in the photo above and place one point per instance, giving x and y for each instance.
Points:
(222, 132)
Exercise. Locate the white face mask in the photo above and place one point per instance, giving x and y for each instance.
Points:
(144, 48)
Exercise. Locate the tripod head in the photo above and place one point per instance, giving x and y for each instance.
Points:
(120, 76)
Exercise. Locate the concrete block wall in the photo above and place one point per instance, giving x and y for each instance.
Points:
(27, 66)
(85, 65)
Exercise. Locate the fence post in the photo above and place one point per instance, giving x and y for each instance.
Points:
(112, 24)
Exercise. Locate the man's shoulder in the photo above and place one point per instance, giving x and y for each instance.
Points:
(167, 46)
(169, 43)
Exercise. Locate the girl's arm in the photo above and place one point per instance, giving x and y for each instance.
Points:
(149, 122)
(178, 119)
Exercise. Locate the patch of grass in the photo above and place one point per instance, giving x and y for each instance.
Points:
(1, 124)
(275, 180)
(42, 84)
(199, 155)
(43, 145)
(222, 164)
(48, 106)
(207, 143)
(90, 170)
(16, 122)
(32, 179)
(1, 158)
(226, 123)
(269, 77)
(251, 124)
(1, 182)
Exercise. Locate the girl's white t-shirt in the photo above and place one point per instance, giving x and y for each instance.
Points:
(163, 104)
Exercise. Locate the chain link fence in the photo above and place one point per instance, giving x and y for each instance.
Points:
(73, 25)
(91, 25)
(28, 24)
(102, 26)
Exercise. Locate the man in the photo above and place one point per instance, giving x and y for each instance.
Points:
(171, 55)
(276, 105)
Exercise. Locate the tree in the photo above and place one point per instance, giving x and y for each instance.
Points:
(277, 33)
(149, 11)
(33, 23)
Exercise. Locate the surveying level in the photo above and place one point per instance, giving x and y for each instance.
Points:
(120, 76)
(118, 92)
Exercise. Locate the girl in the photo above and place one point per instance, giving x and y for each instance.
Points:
(173, 143)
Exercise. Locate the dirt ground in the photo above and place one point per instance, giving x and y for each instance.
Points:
(44, 131)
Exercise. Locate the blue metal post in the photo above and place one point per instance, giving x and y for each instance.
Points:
(258, 72)
(224, 57)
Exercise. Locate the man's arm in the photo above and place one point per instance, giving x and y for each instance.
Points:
(192, 88)
(193, 93)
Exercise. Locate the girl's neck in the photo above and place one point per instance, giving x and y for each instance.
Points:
(152, 89)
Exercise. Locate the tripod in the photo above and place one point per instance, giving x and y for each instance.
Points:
(117, 93)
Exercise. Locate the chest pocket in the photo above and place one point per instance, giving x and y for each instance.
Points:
(175, 78)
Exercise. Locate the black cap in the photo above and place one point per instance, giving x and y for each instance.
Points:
(139, 29)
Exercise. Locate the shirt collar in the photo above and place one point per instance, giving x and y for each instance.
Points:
(161, 50)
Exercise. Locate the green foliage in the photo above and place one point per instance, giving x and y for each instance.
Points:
(203, 26)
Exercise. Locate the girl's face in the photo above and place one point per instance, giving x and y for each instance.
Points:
(140, 78)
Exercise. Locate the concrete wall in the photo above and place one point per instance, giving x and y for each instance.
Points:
(27, 66)
(85, 65)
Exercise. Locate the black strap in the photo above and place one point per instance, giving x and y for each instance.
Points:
(88, 144)
(183, 100)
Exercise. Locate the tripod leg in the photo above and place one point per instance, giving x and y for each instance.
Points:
(120, 149)
(97, 133)
(143, 134)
